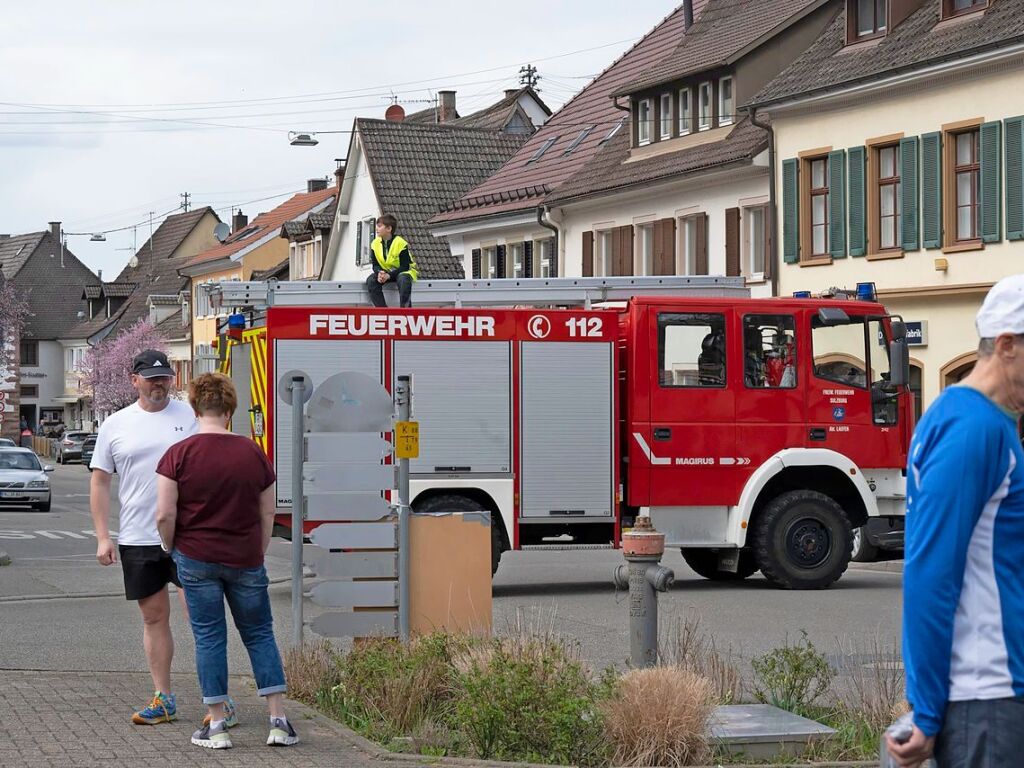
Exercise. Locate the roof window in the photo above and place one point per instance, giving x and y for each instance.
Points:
(543, 148)
(579, 139)
(615, 130)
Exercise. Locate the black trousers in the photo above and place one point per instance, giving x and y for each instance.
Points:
(376, 290)
(982, 734)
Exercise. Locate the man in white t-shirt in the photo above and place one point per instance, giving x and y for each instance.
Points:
(131, 442)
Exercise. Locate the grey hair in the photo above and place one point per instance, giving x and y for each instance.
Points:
(986, 347)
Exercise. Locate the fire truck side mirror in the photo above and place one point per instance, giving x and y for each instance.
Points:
(899, 360)
(833, 316)
(899, 329)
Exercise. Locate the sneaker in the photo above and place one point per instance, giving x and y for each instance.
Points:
(281, 733)
(212, 736)
(230, 714)
(161, 709)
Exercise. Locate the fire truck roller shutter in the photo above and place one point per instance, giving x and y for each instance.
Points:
(241, 375)
(320, 360)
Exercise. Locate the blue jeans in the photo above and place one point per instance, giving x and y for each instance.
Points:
(206, 585)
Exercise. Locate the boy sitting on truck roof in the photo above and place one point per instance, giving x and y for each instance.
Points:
(391, 262)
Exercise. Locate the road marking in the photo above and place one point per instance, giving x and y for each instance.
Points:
(17, 534)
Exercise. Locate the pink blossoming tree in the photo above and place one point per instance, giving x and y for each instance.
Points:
(107, 367)
(13, 311)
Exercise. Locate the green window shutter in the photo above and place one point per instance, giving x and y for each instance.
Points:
(909, 197)
(931, 189)
(790, 211)
(991, 199)
(837, 204)
(858, 201)
(1014, 127)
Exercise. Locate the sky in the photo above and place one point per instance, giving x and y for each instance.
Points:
(110, 110)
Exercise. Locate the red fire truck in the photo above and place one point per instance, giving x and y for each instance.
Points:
(758, 434)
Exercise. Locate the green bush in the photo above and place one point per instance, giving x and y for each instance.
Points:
(793, 677)
(529, 699)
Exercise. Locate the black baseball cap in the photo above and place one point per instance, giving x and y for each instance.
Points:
(151, 364)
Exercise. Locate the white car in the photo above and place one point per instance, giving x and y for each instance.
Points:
(23, 480)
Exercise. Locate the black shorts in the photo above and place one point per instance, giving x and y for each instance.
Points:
(147, 570)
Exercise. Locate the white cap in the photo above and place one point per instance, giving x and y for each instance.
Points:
(1003, 309)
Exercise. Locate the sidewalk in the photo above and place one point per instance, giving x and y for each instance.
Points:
(51, 719)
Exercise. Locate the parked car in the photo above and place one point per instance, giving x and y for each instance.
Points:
(88, 446)
(69, 447)
(23, 480)
(6, 442)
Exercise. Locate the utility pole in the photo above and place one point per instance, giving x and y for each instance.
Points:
(528, 77)
(184, 201)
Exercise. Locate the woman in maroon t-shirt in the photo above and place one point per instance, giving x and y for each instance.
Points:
(215, 513)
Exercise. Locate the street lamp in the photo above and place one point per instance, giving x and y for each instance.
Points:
(302, 139)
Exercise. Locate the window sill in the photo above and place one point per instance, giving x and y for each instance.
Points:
(756, 279)
(884, 255)
(955, 18)
(817, 261)
(970, 245)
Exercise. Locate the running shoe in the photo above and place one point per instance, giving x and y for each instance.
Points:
(281, 733)
(213, 736)
(161, 709)
(230, 714)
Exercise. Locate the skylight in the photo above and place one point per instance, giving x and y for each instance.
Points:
(543, 148)
(579, 139)
(613, 131)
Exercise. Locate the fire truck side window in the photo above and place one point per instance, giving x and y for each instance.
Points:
(769, 351)
(840, 351)
(691, 349)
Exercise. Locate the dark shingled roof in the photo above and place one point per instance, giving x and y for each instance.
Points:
(418, 168)
(92, 292)
(520, 184)
(495, 117)
(155, 273)
(609, 171)
(307, 225)
(118, 290)
(829, 65)
(276, 272)
(14, 251)
(723, 31)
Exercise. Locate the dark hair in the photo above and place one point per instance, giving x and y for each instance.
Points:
(212, 392)
(388, 221)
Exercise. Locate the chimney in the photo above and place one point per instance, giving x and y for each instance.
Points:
(55, 230)
(687, 14)
(316, 185)
(339, 171)
(238, 221)
(446, 111)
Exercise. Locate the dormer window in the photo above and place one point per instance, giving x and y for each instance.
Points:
(685, 112)
(726, 102)
(666, 116)
(643, 122)
(957, 7)
(704, 105)
(868, 18)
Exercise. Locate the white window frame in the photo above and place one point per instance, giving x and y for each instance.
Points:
(293, 261)
(685, 111)
(748, 216)
(686, 260)
(666, 116)
(643, 124)
(602, 252)
(368, 233)
(542, 257)
(489, 262)
(726, 113)
(202, 303)
(705, 118)
(514, 260)
(644, 261)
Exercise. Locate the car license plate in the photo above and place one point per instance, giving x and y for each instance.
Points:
(10, 494)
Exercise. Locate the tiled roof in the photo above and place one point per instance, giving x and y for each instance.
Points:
(917, 42)
(268, 223)
(418, 168)
(609, 171)
(293, 228)
(592, 106)
(117, 290)
(276, 272)
(164, 300)
(724, 29)
(155, 273)
(53, 288)
(92, 292)
(173, 329)
(307, 225)
(14, 251)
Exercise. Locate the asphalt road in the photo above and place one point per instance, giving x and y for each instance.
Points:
(571, 593)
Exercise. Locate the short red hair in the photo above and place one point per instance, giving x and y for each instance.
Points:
(212, 393)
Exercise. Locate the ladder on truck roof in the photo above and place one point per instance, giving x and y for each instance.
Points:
(536, 292)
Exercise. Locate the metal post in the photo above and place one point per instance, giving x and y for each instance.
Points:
(298, 391)
(403, 395)
(643, 548)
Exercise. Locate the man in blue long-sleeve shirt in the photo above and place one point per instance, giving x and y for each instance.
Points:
(963, 581)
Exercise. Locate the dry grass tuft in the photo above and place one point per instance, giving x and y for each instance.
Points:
(659, 717)
(871, 681)
(684, 644)
(311, 669)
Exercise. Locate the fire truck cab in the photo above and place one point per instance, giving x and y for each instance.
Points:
(756, 433)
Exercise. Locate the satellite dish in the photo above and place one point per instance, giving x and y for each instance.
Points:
(394, 113)
(221, 232)
(133, 262)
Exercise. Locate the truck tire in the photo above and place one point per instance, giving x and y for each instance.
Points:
(863, 550)
(453, 502)
(704, 562)
(803, 540)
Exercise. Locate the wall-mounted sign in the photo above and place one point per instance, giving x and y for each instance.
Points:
(917, 333)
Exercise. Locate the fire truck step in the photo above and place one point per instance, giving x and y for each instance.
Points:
(564, 547)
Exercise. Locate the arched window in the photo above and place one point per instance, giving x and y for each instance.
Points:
(956, 369)
(916, 379)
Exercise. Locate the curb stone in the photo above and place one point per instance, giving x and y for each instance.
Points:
(381, 753)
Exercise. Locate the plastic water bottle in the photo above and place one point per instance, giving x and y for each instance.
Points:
(900, 732)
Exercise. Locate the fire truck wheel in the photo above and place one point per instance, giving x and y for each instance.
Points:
(863, 550)
(704, 562)
(453, 502)
(803, 540)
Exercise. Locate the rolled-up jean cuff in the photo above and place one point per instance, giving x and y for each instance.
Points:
(215, 699)
(272, 689)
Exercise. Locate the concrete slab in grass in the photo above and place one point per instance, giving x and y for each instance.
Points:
(763, 732)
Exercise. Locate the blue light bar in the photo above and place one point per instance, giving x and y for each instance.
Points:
(801, 294)
(865, 291)
(236, 321)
